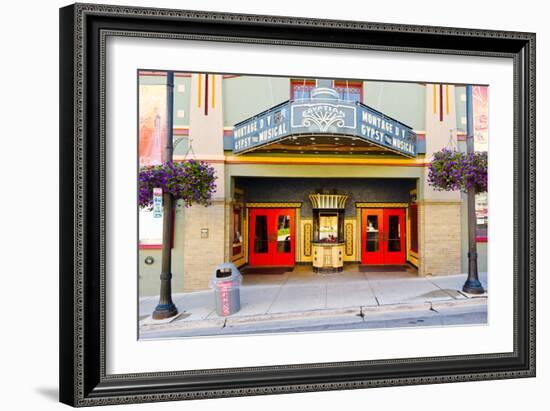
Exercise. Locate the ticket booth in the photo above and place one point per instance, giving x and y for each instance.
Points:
(328, 232)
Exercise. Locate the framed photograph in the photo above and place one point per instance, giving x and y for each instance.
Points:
(261, 204)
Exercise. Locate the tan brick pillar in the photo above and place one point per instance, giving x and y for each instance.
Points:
(203, 250)
(205, 227)
(439, 237)
(439, 212)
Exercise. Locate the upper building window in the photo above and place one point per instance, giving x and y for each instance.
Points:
(348, 90)
(301, 89)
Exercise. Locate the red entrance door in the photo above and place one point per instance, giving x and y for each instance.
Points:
(271, 237)
(383, 236)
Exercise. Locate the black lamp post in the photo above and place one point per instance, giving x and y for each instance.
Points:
(472, 284)
(166, 308)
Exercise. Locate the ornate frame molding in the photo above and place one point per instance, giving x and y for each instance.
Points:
(83, 32)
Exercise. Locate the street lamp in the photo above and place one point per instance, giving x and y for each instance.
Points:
(165, 307)
(472, 284)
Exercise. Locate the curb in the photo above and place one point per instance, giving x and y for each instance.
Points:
(360, 311)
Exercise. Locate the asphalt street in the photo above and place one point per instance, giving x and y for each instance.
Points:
(424, 318)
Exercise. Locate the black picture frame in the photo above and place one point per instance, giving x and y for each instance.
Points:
(83, 29)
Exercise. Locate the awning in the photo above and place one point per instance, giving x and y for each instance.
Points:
(323, 126)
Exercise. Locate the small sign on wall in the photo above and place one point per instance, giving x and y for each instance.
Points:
(157, 202)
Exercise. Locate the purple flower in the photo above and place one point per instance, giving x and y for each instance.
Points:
(190, 181)
(452, 170)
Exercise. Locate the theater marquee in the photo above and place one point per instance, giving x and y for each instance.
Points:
(326, 117)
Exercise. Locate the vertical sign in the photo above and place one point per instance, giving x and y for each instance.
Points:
(481, 143)
(157, 202)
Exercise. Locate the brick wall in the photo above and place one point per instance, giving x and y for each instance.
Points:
(439, 237)
(202, 255)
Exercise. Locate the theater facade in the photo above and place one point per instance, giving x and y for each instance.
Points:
(329, 174)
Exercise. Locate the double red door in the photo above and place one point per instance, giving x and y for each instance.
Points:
(383, 236)
(271, 237)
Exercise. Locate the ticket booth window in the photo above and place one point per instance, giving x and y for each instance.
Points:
(328, 227)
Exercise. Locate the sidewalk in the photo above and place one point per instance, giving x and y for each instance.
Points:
(302, 300)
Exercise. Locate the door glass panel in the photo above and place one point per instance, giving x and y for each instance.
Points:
(260, 235)
(372, 233)
(394, 234)
(283, 234)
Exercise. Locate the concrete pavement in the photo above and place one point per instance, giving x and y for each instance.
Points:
(302, 300)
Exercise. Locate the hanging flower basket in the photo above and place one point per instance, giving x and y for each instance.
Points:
(191, 181)
(452, 170)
